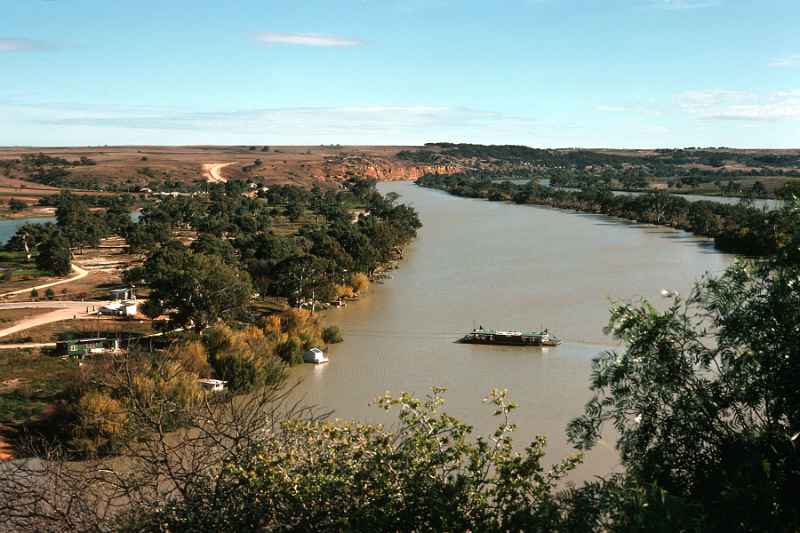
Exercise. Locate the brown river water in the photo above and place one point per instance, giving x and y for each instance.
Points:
(501, 266)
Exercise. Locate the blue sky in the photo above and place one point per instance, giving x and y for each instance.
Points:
(549, 73)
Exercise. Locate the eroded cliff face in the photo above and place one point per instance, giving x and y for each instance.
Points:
(342, 168)
(397, 171)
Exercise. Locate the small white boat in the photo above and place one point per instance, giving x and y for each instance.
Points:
(315, 356)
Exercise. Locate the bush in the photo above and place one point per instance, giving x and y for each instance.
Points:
(245, 359)
(17, 205)
(34, 294)
(291, 351)
(332, 335)
(360, 282)
(49, 293)
(101, 420)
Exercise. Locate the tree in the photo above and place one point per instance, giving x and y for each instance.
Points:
(705, 396)
(77, 223)
(212, 245)
(193, 289)
(29, 236)
(100, 421)
(55, 256)
(17, 205)
(332, 335)
(303, 278)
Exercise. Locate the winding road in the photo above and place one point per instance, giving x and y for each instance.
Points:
(64, 310)
(81, 273)
(213, 172)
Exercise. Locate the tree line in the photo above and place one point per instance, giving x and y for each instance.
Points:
(735, 228)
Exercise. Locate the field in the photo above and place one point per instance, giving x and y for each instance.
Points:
(130, 168)
(81, 328)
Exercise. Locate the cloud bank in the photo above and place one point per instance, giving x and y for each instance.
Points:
(9, 44)
(356, 124)
(791, 61)
(306, 39)
(741, 105)
(676, 5)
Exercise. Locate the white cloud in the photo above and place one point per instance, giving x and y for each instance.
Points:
(20, 45)
(354, 124)
(741, 105)
(790, 61)
(636, 109)
(675, 5)
(306, 39)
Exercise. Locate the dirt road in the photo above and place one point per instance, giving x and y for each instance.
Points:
(81, 273)
(64, 311)
(213, 171)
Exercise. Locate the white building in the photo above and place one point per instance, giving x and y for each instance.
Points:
(315, 356)
(212, 385)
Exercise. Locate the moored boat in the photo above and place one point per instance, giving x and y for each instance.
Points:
(510, 338)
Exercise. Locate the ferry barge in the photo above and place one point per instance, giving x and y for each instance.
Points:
(510, 338)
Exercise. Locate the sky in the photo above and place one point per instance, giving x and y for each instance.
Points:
(544, 73)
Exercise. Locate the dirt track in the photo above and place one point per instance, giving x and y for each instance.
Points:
(213, 171)
(64, 311)
(81, 273)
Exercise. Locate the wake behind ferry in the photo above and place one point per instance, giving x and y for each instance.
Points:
(510, 338)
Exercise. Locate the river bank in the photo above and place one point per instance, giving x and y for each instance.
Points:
(738, 228)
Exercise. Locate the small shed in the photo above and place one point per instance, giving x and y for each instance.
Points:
(315, 356)
(83, 347)
(124, 293)
(126, 309)
(212, 385)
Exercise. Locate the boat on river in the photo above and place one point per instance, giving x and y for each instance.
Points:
(510, 338)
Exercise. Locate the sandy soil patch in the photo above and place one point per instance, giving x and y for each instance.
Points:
(213, 171)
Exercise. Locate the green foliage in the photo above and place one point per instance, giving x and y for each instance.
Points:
(49, 293)
(17, 205)
(80, 226)
(332, 335)
(30, 236)
(193, 289)
(291, 351)
(55, 255)
(705, 398)
(245, 359)
(429, 474)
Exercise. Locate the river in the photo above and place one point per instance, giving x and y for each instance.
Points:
(502, 266)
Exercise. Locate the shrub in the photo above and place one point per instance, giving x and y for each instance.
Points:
(360, 282)
(101, 420)
(49, 293)
(332, 335)
(34, 294)
(17, 205)
(291, 351)
(344, 291)
(192, 356)
(245, 359)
